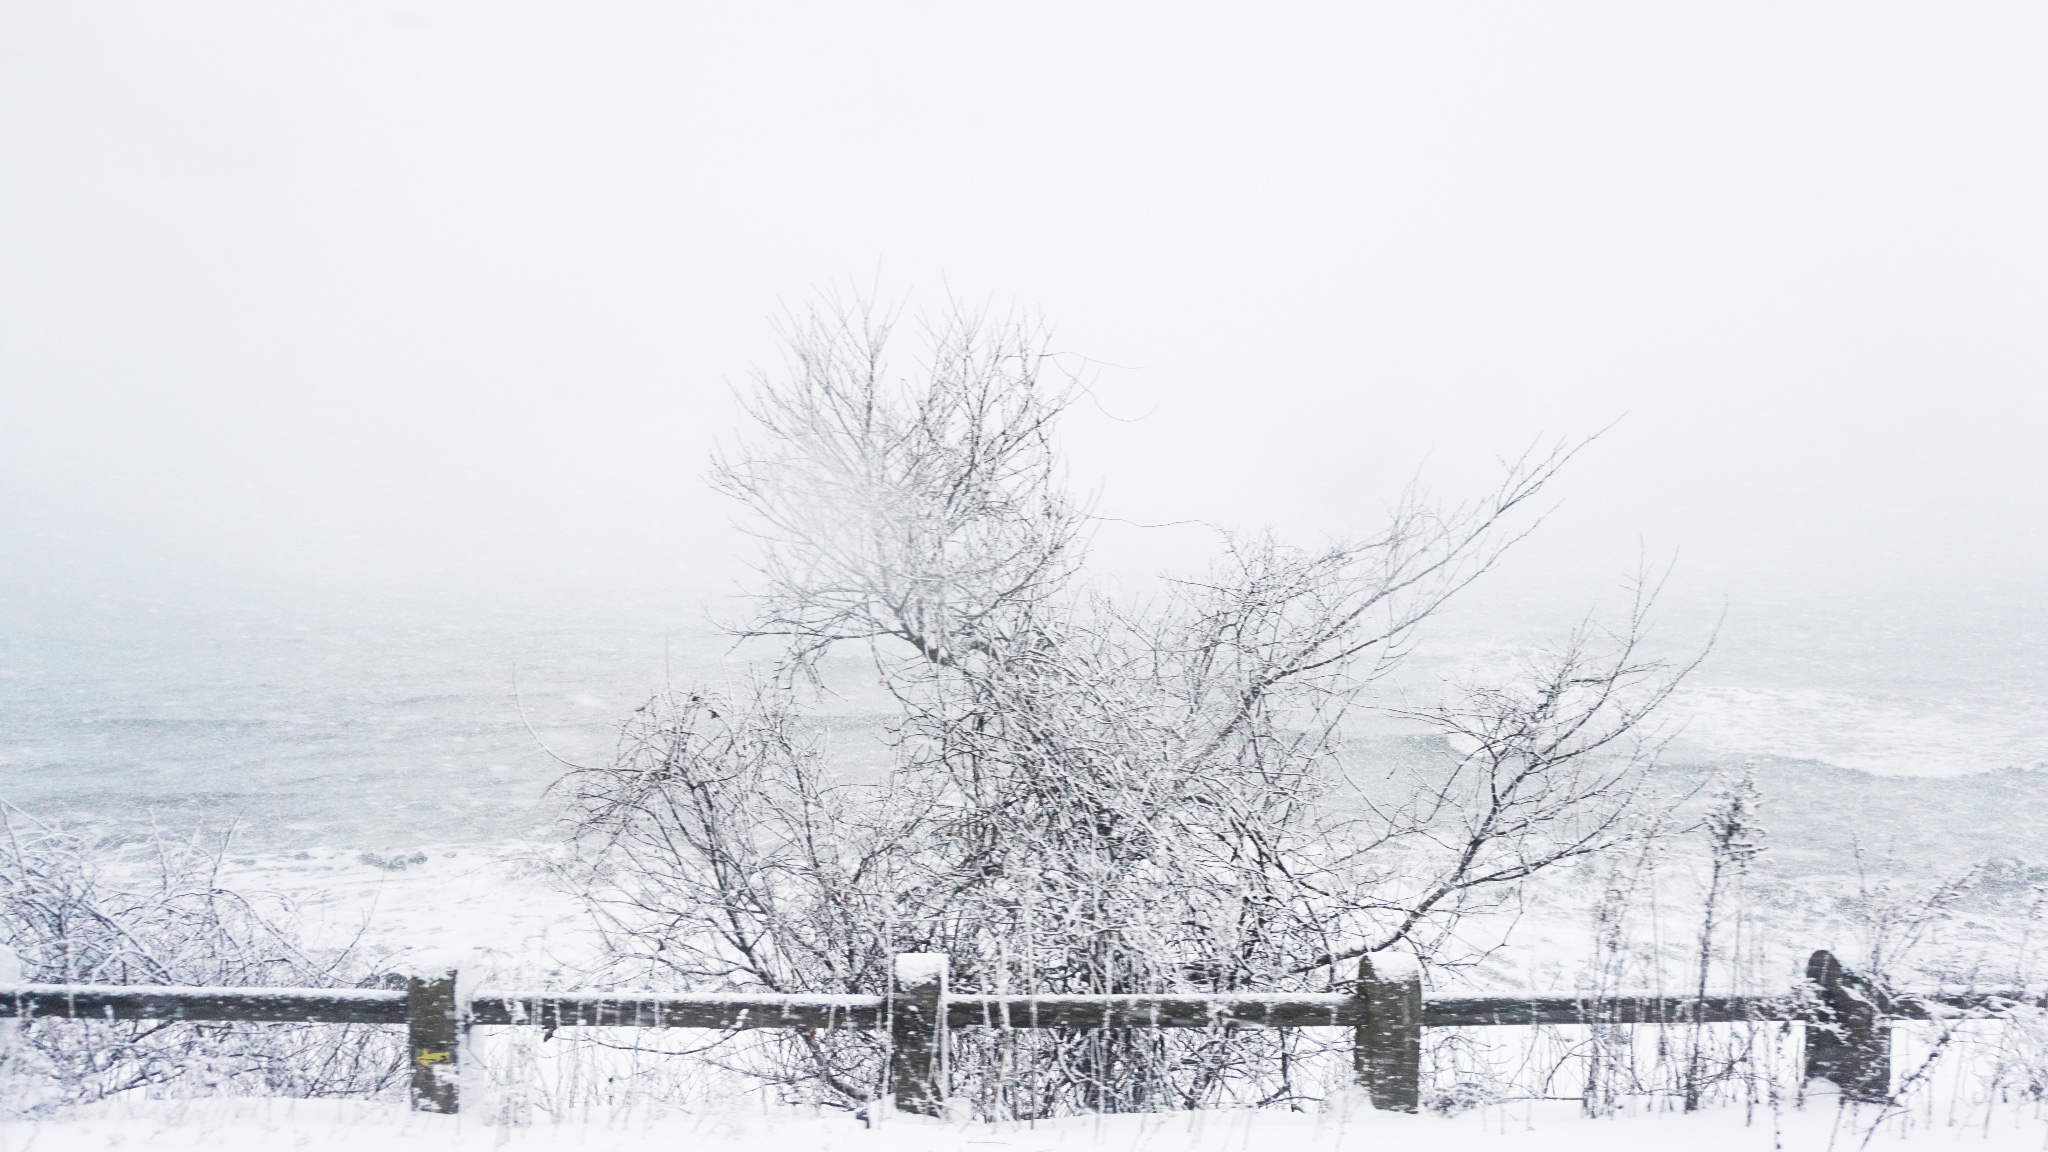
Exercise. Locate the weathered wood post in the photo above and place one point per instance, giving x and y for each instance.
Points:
(1849, 1045)
(434, 1023)
(10, 973)
(1387, 1048)
(917, 1033)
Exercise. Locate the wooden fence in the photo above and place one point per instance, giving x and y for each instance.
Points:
(1846, 1017)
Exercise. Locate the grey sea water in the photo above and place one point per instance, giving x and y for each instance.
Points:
(381, 722)
(317, 723)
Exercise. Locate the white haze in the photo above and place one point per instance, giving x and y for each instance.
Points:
(449, 293)
(376, 303)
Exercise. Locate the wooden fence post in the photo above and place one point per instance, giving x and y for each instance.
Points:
(917, 1033)
(434, 1023)
(1387, 1048)
(10, 973)
(1849, 1046)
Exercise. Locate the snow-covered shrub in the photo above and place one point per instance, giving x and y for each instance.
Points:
(1089, 794)
(156, 912)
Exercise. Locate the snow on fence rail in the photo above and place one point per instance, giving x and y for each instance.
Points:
(1846, 1016)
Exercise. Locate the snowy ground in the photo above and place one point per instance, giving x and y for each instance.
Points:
(1542, 1127)
(418, 907)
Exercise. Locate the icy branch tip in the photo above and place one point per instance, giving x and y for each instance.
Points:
(916, 969)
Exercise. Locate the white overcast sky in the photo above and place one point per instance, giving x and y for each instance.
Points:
(428, 294)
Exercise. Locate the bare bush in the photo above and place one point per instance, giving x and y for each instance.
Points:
(1089, 795)
(157, 912)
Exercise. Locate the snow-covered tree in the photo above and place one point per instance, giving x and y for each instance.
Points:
(1089, 794)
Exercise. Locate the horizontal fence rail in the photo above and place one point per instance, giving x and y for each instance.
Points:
(1229, 1010)
(724, 1012)
(171, 1002)
(734, 1012)
(1846, 1041)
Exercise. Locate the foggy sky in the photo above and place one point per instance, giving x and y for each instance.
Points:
(431, 295)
